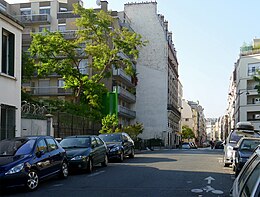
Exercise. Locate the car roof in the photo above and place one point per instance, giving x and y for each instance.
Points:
(80, 136)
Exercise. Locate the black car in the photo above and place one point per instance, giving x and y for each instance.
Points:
(119, 145)
(247, 183)
(24, 161)
(85, 151)
(219, 145)
(244, 150)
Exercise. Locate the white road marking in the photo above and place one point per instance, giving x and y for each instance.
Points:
(197, 190)
(58, 185)
(209, 179)
(96, 173)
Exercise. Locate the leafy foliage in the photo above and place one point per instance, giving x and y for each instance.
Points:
(134, 130)
(109, 124)
(96, 46)
(187, 132)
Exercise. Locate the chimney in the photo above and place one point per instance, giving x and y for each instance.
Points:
(104, 5)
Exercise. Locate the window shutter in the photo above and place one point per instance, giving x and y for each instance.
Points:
(4, 53)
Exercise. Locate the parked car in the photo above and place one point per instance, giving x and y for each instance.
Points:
(243, 129)
(85, 151)
(247, 183)
(219, 145)
(244, 149)
(24, 161)
(185, 145)
(193, 145)
(119, 145)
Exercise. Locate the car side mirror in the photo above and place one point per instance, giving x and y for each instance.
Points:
(39, 153)
(235, 148)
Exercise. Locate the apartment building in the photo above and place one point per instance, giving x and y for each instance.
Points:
(199, 122)
(10, 74)
(186, 115)
(157, 99)
(247, 99)
(56, 15)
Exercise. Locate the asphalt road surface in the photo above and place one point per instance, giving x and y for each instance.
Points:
(159, 173)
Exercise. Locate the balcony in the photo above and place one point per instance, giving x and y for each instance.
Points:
(171, 107)
(123, 93)
(123, 111)
(64, 15)
(124, 56)
(48, 91)
(120, 75)
(34, 19)
(249, 50)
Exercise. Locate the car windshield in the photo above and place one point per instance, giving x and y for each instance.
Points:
(249, 145)
(78, 142)
(16, 147)
(111, 138)
(238, 134)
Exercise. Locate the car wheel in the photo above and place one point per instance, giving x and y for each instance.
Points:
(105, 162)
(64, 170)
(121, 157)
(90, 166)
(132, 155)
(32, 180)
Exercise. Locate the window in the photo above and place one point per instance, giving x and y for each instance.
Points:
(252, 68)
(25, 11)
(93, 142)
(62, 27)
(61, 83)
(83, 66)
(41, 28)
(99, 141)
(7, 122)
(51, 144)
(7, 53)
(41, 146)
(45, 10)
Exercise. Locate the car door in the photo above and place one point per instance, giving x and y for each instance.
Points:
(101, 149)
(42, 158)
(94, 151)
(126, 144)
(56, 155)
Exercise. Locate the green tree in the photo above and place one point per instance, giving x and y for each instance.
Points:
(134, 130)
(109, 124)
(96, 43)
(187, 133)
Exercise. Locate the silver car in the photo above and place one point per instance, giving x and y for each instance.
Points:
(243, 129)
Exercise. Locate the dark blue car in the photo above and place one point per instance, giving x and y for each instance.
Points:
(24, 161)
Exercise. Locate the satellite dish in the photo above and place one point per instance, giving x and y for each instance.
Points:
(98, 2)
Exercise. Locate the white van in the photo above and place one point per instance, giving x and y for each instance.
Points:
(243, 129)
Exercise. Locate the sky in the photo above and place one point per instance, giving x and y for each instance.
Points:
(207, 36)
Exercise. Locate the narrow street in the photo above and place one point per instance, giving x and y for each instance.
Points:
(151, 173)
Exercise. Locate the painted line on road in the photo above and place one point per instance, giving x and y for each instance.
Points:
(96, 173)
(58, 185)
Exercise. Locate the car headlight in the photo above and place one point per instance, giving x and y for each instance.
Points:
(117, 148)
(79, 157)
(15, 169)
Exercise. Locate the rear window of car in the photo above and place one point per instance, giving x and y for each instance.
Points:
(111, 138)
(79, 142)
(16, 147)
(236, 135)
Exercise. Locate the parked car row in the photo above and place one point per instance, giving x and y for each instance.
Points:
(189, 145)
(25, 161)
(242, 151)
